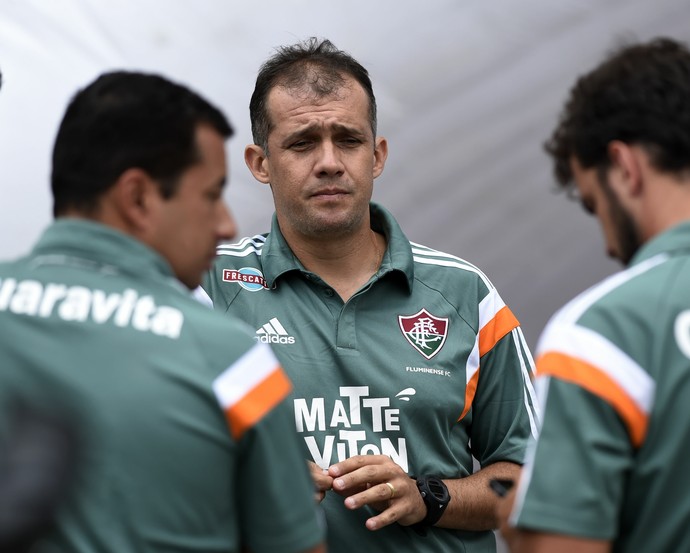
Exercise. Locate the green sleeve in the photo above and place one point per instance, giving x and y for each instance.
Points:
(276, 493)
(504, 410)
(578, 471)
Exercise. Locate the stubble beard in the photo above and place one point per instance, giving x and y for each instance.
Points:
(627, 235)
(319, 225)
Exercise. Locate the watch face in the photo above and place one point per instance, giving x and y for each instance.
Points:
(438, 489)
(433, 488)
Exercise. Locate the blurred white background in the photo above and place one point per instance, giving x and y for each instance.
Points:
(467, 92)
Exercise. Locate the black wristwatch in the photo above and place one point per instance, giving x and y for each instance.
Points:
(436, 498)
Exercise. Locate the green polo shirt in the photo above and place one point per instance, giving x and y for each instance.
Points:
(183, 417)
(425, 363)
(614, 375)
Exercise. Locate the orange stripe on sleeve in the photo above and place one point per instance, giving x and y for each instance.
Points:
(470, 391)
(503, 322)
(594, 380)
(246, 412)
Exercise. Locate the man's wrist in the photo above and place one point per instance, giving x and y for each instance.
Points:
(436, 498)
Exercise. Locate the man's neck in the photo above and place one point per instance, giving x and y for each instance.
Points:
(345, 264)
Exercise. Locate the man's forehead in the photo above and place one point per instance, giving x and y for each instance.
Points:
(301, 106)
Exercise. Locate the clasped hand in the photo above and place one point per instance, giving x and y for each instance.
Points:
(373, 480)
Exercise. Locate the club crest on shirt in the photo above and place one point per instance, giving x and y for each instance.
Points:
(424, 332)
(248, 278)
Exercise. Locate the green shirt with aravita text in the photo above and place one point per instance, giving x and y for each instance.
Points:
(182, 418)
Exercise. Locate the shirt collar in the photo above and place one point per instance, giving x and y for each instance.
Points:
(278, 259)
(90, 241)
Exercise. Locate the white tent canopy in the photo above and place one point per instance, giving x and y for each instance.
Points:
(467, 92)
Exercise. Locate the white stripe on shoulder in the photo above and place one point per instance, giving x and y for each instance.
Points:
(244, 374)
(244, 247)
(489, 306)
(443, 259)
(574, 309)
(527, 369)
(593, 348)
(200, 295)
(425, 250)
(257, 239)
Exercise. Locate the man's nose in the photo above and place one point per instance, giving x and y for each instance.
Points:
(330, 160)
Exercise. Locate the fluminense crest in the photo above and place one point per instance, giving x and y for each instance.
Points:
(426, 333)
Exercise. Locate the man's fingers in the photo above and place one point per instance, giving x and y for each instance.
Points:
(360, 470)
(322, 480)
(380, 493)
(357, 462)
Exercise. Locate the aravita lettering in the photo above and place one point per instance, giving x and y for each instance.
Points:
(355, 424)
(81, 304)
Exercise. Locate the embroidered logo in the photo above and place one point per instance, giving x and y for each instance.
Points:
(424, 332)
(248, 278)
(406, 394)
(274, 333)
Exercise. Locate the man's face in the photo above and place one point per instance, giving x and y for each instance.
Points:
(323, 160)
(598, 198)
(190, 224)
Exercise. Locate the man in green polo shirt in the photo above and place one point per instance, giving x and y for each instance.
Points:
(609, 469)
(406, 361)
(184, 430)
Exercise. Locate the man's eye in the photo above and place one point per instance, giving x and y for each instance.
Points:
(351, 141)
(300, 145)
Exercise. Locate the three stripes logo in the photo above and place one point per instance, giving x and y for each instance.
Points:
(274, 333)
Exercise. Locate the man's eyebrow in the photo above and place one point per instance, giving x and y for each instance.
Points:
(301, 132)
(313, 127)
(347, 129)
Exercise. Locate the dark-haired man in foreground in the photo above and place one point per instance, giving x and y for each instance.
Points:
(185, 434)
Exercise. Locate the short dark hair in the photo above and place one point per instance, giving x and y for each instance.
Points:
(640, 95)
(124, 120)
(315, 64)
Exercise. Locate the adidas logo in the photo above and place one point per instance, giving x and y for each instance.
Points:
(274, 333)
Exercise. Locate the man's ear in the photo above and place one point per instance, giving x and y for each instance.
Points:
(380, 155)
(626, 165)
(135, 196)
(257, 162)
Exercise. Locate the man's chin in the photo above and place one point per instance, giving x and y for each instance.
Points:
(191, 281)
(334, 224)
